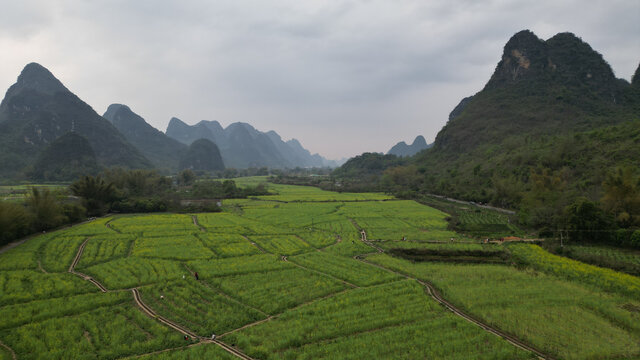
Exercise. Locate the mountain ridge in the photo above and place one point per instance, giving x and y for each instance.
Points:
(38, 109)
(163, 151)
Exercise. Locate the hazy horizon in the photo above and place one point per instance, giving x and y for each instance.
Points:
(342, 78)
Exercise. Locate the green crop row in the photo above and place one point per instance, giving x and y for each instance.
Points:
(561, 318)
(20, 286)
(344, 268)
(352, 320)
(178, 247)
(537, 257)
(135, 271)
(228, 245)
(238, 265)
(282, 244)
(277, 290)
(107, 332)
(38, 310)
(198, 307)
(102, 248)
(201, 351)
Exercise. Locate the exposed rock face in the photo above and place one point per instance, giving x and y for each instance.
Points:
(538, 87)
(203, 155)
(38, 109)
(163, 151)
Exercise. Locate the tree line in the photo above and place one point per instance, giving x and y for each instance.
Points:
(116, 191)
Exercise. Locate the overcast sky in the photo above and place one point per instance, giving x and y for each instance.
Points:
(343, 77)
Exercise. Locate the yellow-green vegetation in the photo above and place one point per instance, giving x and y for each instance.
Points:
(199, 307)
(277, 290)
(133, 271)
(177, 247)
(282, 244)
(228, 245)
(344, 268)
(235, 266)
(607, 279)
(106, 332)
(58, 252)
(624, 260)
(285, 280)
(21, 286)
(548, 312)
(102, 248)
(364, 315)
(204, 351)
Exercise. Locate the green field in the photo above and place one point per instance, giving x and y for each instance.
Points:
(287, 276)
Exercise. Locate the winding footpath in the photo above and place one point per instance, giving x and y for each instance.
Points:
(435, 294)
(13, 354)
(84, 276)
(145, 309)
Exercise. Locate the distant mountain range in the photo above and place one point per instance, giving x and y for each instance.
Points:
(163, 151)
(38, 113)
(242, 146)
(402, 149)
(38, 109)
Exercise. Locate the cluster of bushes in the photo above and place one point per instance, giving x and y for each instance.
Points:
(42, 210)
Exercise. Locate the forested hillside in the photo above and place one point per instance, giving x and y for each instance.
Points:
(551, 126)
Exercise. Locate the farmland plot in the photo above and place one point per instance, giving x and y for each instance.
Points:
(277, 290)
(106, 332)
(204, 351)
(349, 317)
(198, 307)
(582, 323)
(130, 272)
(20, 286)
(102, 248)
(238, 265)
(282, 244)
(177, 247)
(228, 245)
(58, 253)
(346, 269)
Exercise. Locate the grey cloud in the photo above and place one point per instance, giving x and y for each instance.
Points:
(388, 70)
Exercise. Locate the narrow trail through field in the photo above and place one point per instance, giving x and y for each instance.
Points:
(196, 223)
(256, 245)
(435, 294)
(41, 268)
(146, 309)
(84, 276)
(13, 354)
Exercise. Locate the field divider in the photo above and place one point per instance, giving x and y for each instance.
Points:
(196, 223)
(147, 310)
(13, 354)
(256, 245)
(86, 277)
(275, 316)
(435, 294)
(323, 273)
(225, 295)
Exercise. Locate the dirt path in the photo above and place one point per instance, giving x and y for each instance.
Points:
(147, 310)
(196, 223)
(256, 245)
(13, 354)
(41, 268)
(84, 276)
(435, 294)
